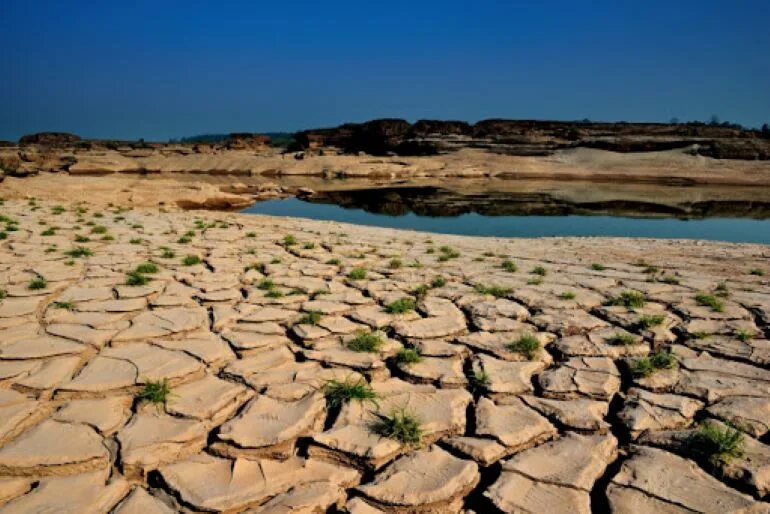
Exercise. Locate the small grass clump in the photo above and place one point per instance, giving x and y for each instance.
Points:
(274, 293)
(646, 321)
(408, 356)
(79, 251)
(3, 294)
(184, 240)
(251, 234)
(395, 263)
(722, 290)
(37, 283)
(621, 339)
(716, 445)
(646, 366)
(399, 425)
(338, 392)
(266, 284)
(710, 301)
(191, 260)
(79, 238)
(167, 253)
(310, 318)
(365, 342)
(526, 344)
(743, 335)
(509, 266)
(99, 229)
(308, 246)
(135, 278)
(48, 232)
(496, 291)
(479, 381)
(68, 305)
(357, 274)
(289, 240)
(147, 267)
(539, 270)
(630, 299)
(598, 267)
(333, 262)
(568, 295)
(438, 281)
(756, 272)
(400, 306)
(155, 391)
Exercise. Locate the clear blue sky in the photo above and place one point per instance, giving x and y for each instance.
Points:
(159, 69)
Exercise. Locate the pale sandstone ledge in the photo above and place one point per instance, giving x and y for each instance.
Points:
(248, 338)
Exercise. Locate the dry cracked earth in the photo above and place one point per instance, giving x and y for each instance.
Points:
(158, 362)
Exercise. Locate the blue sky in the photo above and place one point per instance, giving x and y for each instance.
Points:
(160, 69)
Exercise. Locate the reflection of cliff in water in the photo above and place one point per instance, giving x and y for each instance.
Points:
(438, 202)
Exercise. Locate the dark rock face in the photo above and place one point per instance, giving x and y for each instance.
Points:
(531, 137)
(49, 139)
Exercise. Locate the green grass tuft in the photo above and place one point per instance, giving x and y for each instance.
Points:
(630, 299)
(79, 251)
(37, 283)
(310, 318)
(598, 267)
(357, 274)
(147, 267)
(365, 342)
(400, 306)
(621, 339)
(718, 446)
(68, 305)
(526, 344)
(135, 278)
(155, 391)
(408, 356)
(509, 266)
(646, 366)
(191, 260)
(708, 300)
(539, 270)
(338, 392)
(399, 425)
(568, 295)
(495, 291)
(289, 240)
(646, 321)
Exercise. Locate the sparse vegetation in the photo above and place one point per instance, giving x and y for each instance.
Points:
(495, 291)
(333, 262)
(339, 392)
(756, 272)
(646, 366)
(438, 281)
(408, 356)
(155, 391)
(310, 318)
(79, 251)
(357, 274)
(400, 306)
(717, 445)
(266, 284)
(191, 260)
(722, 290)
(568, 295)
(68, 305)
(743, 335)
(399, 425)
(37, 283)
(447, 252)
(135, 278)
(308, 246)
(479, 381)
(646, 321)
(99, 229)
(527, 344)
(630, 299)
(598, 267)
(509, 266)
(539, 270)
(147, 267)
(621, 339)
(395, 263)
(365, 342)
(167, 253)
(707, 300)
(81, 238)
(289, 240)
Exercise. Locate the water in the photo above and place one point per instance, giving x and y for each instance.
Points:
(475, 224)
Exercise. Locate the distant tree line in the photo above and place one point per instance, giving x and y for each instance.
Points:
(280, 139)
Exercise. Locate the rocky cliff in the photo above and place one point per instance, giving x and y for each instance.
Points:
(535, 138)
